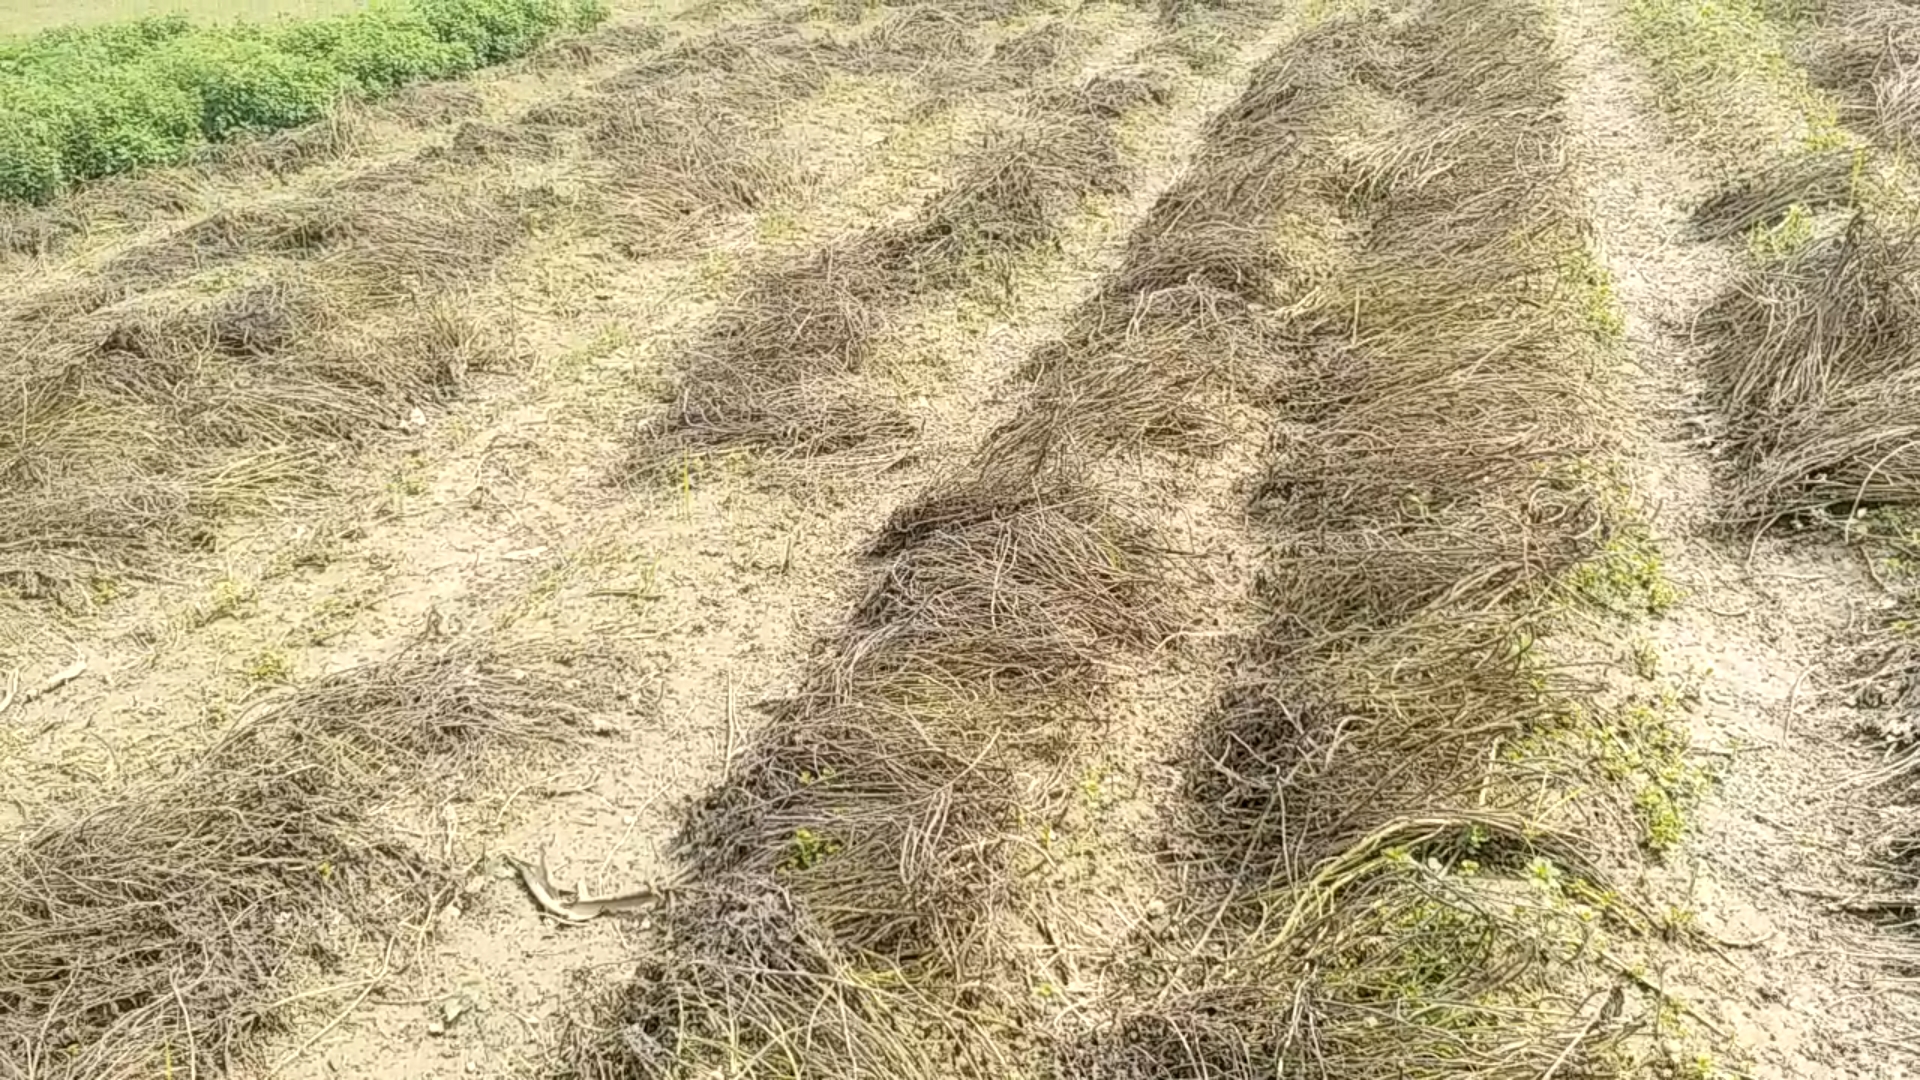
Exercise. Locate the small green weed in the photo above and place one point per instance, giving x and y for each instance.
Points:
(606, 341)
(1784, 239)
(1434, 929)
(776, 226)
(716, 271)
(1891, 534)
(1697, 1066)
(809, 778)
(808, 849)
(103, 590)
(1639, 751)
(408, 479)
(1647, 749)
(268, 667)
(1645, 657)
(1092, 790)
(1679, 920)
(1592, 284)
(1625, 577)
(230, 598)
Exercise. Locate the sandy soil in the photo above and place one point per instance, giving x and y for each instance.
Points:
(1790, 982)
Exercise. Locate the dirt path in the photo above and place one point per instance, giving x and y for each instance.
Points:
(1783, 974)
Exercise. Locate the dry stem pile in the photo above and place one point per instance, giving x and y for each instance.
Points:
(1395, 877)
(1812, 359)
(163, 930)
(1869, 51)
(215, 370)
(1887, 691)
(784, 369)
(1763, 197)
(865, 865)
(863, 862)
(133, 433)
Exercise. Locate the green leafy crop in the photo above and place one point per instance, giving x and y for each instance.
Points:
(82, 103)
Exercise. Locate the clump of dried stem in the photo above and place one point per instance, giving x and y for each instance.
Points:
(1812, 361)
(1358, 851)
(878, 825)
(142, 428)
(784, 369)
(1869, 51)
(1760, 200)
(165, 926)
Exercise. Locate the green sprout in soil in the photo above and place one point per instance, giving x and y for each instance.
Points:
(1645, 656)
(269, 667)
(1599, 306)
(409, 480)
(104, 590)
(809, 849)
(1784, 239)
(1640, 750)
(1626, 577)
(1647, 750)
(229, 598)
(808, 777)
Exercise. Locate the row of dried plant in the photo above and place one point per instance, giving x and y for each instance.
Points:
(229, 365)
(1400, 828)
(175, 925)
(1810, 358)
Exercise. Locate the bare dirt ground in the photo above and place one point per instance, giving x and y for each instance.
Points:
(917, 498)
(1788, 979)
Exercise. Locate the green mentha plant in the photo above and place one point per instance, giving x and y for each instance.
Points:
(378, 50)
(31, 169)
(246, 84)
(78, 104)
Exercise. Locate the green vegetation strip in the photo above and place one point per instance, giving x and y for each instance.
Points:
(85, 103)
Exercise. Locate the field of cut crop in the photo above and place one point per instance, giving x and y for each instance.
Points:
(963, 540)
